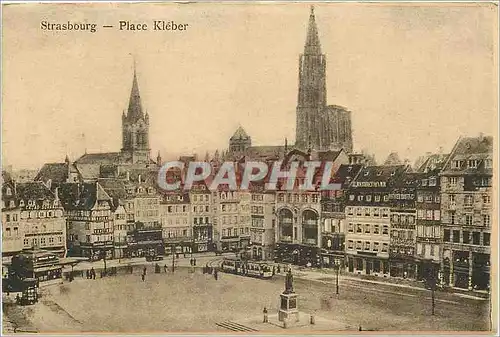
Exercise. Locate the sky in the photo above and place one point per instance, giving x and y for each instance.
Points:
(415, 77)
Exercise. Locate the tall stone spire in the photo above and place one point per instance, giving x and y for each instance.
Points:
(312, 45)
(312, 89)
(134, 106)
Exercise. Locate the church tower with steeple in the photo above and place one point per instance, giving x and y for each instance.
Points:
(319, 126)
(312, 88)
(135, 128)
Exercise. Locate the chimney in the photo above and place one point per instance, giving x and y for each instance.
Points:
(56, 192)
(128, 176)
(139, 178)
(481, 136)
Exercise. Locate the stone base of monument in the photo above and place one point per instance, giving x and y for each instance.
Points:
(288, 311)
(302, 324)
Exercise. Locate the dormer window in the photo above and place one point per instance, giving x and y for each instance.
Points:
(424, 182)
(21, 203)
(488, 163)
(8, 191)
(393, 173)
(472, 163)
(432, 181)
(12, 204)
(379, 173)
(366, 173)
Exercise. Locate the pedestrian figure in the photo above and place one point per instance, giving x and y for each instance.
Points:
(279, 269)
(144, 271)
(92, 273)
(274, 270)
(216, 276)
(265, 315)
(87, 274)
(143, 276)
(194, 262)
(165, 268)
(191, 262)
(360, 329)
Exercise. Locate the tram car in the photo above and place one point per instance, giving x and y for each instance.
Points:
(247, 268)
(231, 265)
(258, 269)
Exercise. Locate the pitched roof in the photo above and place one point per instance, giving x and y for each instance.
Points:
(383, 173)
(100, 158)
(89, 171)
(346, 173)
(115, 188)
(471, 148)
(76, 196)
(56, 172)
(433, 162)
(35, 190)
(240, 133)
(265, 152)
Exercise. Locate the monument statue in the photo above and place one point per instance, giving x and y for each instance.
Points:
(288, 283)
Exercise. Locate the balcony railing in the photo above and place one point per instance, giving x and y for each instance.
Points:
(286, 220)
(310, 222)
(286, 239)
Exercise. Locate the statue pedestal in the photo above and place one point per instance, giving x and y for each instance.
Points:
(288, 309)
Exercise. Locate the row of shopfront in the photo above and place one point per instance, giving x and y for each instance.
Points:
(468, 270)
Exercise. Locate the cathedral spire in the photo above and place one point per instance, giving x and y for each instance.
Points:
(313, 45)
(134, 105)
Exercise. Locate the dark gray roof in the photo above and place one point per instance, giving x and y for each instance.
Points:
(56, 172)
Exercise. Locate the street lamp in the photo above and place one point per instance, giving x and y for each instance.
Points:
(432, 283)
(337, 270)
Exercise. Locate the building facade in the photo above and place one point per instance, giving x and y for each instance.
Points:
(333, 217)
(466, 214)
(403, 226)
(201, 217)
(368, 220)
(89, 220)
(176, 221)
(429, 234)
(263, 223)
